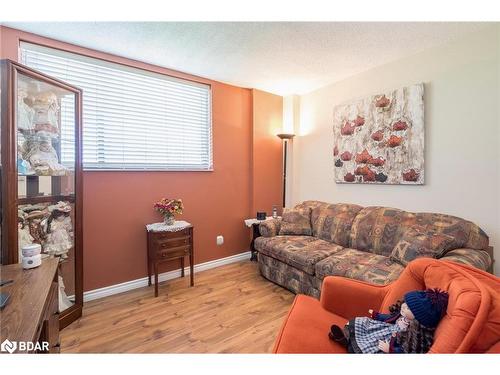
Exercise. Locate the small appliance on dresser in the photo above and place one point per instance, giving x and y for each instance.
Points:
(169, 242)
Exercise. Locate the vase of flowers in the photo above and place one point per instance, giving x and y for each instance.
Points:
(168, 208)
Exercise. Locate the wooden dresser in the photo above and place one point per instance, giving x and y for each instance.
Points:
(166, 246)
(31, 314)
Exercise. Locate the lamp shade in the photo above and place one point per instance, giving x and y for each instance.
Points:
(286, 135)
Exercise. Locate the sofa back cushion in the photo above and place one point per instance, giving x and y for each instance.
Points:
(296, 221)
(466, 233)
(311, 204)
(419, 242)
(379, 229)
(333, 222)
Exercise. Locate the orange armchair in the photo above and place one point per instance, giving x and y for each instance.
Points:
(471, 323)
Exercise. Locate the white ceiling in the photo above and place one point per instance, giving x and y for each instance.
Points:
(279, 57)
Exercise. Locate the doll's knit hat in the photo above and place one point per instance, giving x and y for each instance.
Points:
(427, 306)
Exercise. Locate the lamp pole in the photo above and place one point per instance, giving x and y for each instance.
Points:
(285, 137)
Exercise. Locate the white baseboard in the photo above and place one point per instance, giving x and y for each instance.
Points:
(139, 283)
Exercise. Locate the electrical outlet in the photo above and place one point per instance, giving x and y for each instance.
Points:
(220, 240)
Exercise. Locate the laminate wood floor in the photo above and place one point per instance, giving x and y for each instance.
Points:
(231, 309)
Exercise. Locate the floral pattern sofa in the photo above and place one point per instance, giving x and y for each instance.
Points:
(371, 244)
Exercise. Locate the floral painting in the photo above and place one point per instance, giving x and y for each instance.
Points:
(380, 139)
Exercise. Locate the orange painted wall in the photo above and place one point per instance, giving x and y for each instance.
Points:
(117, 205)
(267, 162)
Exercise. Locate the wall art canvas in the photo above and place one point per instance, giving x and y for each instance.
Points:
(380, 139)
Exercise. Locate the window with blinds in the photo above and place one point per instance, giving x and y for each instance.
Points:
(132, 119)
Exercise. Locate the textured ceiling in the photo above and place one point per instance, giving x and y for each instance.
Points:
(279, 57)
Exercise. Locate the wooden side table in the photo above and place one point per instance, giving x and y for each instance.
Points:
(169, 242)
(254, 224)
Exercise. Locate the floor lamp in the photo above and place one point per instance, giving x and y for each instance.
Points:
(285, 137)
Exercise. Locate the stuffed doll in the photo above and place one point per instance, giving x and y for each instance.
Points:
(43, 157)
(46, 115)
(64, 301)
(59, 230)
(25, 114)
(408, 328)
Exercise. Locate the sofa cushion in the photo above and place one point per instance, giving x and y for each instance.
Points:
(293, 279)
(301, 252)
(419, 242)
(475, 258)
(466, 233)
(379, 229)
(311, 204)
(296, 222)
(332, 222)
(359, 265)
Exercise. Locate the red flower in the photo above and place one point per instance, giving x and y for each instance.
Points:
(394, 141)
(411, 176)
(347, 129)
(382, 102)
(346, 156)
(359, 121)
(349, 177)
(378, 135)
(367, 173)
(400, 125)
(378, 162)
(363, 157)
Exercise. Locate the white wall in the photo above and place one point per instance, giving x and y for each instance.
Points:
(462, 157)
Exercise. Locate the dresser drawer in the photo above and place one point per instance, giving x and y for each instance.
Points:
(167, 235)
(174, 252)
(166, 243)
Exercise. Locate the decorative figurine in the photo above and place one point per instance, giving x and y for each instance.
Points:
(23, 167)
(24, 236)
(36, 223)
(64, 301)
(59, 230)
(43, 157)
(46, 114)
(25, 114)
(409, 328)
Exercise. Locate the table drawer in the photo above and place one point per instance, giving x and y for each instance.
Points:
(173, 252)
(164, 244)
(167, 235)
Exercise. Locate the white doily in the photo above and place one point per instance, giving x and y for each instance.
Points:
(250, 222)
(162, 227)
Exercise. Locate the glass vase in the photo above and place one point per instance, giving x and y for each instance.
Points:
(169, 219)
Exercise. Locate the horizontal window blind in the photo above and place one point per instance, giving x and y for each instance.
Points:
(132, 119)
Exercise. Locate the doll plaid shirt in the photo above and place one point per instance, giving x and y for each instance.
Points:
(369, 331)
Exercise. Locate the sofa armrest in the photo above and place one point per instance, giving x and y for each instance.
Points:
(475, 258)
(350, 298)
(270, 228)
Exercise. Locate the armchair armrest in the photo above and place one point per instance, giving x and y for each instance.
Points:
(270, 228)
(475, 258)
(350, 298)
